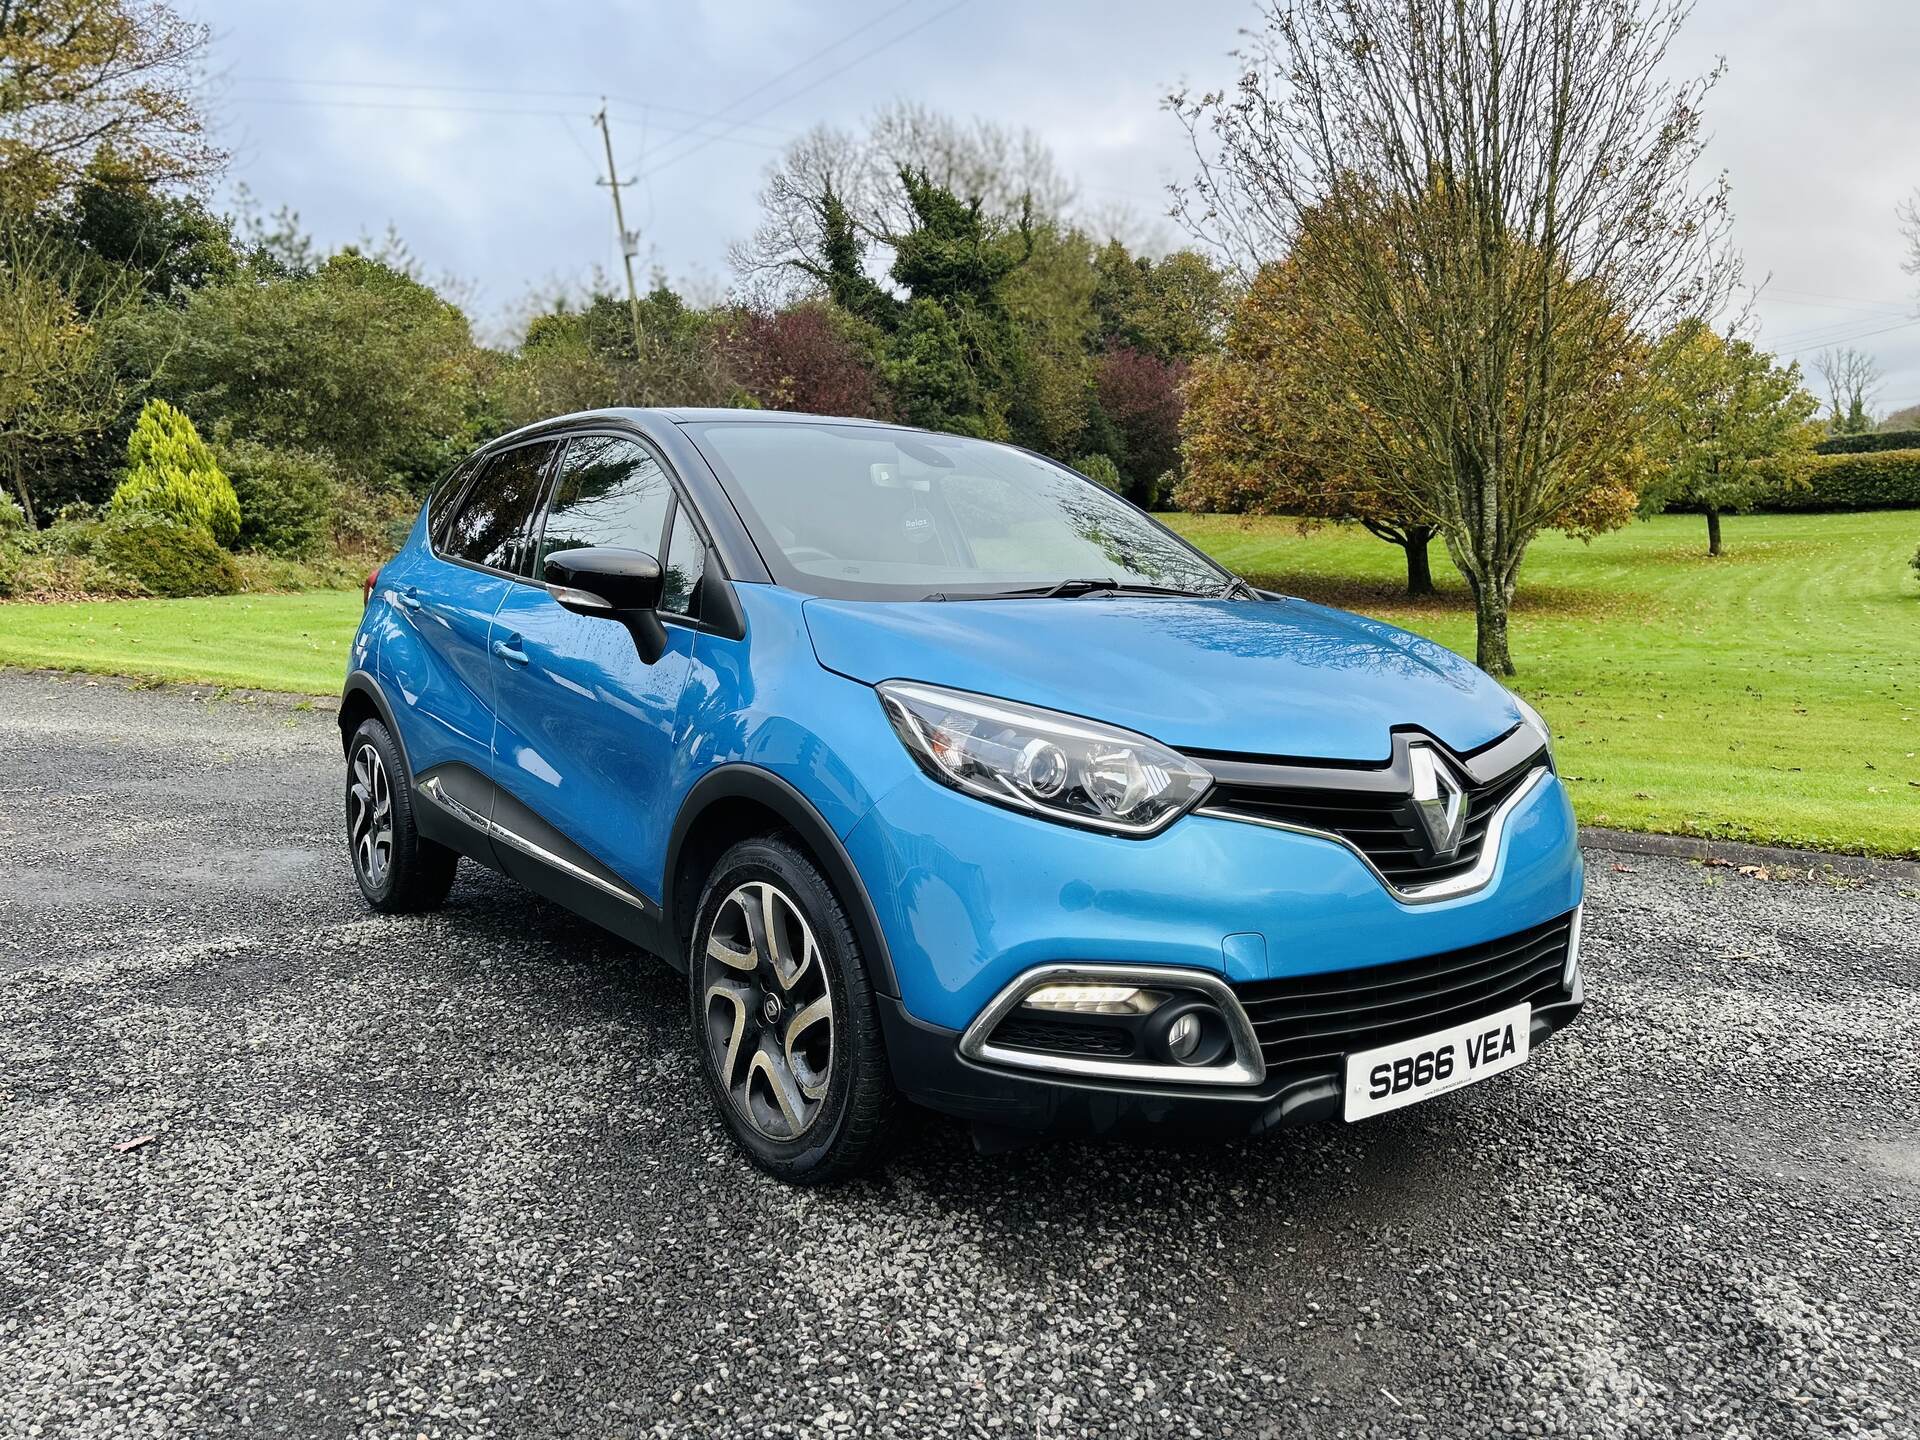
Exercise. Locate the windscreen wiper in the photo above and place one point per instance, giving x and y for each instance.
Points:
(1071, 590)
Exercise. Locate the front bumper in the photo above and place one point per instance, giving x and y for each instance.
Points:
(931, 1071)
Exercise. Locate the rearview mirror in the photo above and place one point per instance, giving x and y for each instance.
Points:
(606, 583)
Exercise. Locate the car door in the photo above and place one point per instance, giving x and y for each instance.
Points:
(584, 743)
(441, 677)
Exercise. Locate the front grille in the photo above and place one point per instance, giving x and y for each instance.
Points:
(1064, 1037)
(1311, 1021)
(1383, 826)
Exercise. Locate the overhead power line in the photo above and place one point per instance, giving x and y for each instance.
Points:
(1848, 339)
(436, 87)
(328, 103)
(699, 144)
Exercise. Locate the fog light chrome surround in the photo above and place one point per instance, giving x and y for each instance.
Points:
(1241, 1066)
(1570, 972)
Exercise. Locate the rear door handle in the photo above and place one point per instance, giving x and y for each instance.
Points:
(509, 652)
(410, 598)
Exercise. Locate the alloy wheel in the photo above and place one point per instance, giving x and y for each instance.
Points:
(768, 1010)
(370, 816)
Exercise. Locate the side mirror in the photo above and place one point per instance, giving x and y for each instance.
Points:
(605, 583)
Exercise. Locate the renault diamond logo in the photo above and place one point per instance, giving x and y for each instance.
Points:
(1439, 801)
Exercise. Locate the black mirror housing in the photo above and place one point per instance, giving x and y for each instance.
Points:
(608, 583)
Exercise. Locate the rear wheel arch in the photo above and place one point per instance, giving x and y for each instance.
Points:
(362, 700)
(735, 802)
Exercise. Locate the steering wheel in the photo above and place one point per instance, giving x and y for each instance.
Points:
(800, 553)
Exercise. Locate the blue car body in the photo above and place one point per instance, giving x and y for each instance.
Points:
(551, 750)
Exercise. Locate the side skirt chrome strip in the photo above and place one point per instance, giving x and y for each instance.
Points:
(1465, 883)
(436, 792)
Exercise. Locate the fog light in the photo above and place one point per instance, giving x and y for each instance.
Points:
(1188, 1032)
(1183, 1037)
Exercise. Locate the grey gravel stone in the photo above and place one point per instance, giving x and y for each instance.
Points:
(454, 1175)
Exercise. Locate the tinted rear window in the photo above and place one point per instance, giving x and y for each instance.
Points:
(491, 527)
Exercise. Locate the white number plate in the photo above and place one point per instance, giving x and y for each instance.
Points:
(1396, 1075)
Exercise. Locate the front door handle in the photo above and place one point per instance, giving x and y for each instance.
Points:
(509, 652)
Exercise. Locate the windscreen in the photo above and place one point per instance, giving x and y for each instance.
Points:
(868, 512)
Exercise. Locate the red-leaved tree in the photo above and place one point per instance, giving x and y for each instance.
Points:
(1142, 395)
(804, 358)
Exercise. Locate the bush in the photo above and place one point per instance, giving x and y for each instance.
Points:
(286, 497)
(1873, 440)
(1882, 480)
(161, 555)
(32, 572)
(1101, 469)
(13, 521)
(370, 520)
(170, 471)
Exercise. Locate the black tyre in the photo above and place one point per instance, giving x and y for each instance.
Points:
(398, 870)
(784, 1018)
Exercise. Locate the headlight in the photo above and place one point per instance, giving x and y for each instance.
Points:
(1538, 722)
(1043, 762)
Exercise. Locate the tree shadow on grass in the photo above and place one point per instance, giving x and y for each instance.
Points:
(1370, 594)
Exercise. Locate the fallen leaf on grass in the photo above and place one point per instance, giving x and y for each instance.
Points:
(133, 1144)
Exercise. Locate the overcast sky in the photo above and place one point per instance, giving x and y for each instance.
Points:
(466, 126)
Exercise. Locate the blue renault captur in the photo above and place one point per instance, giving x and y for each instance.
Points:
(947, 776)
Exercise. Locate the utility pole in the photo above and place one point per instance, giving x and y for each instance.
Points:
(629, 240)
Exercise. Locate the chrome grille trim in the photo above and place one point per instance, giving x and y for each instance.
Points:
(1463, 882)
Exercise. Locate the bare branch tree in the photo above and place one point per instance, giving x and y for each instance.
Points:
(1006, 170)
(1853, 383)
(1908, 212)
(1503, 199)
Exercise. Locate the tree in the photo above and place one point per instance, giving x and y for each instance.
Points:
(170, 471)
(79, 75)
(1141, 396)
(355, 359)
(1261, 436)
(1049, 300)
(1720, 408)
(583, 356)
(1501, 198)
(57, 381)
(1009, 172)
(1852, 381)
(811, 357)
(950, 354)
(1174, 308)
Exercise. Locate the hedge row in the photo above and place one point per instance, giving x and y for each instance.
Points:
(1881, 480)
(1871, 441)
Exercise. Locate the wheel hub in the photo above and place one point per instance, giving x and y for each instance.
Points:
(768, 1010)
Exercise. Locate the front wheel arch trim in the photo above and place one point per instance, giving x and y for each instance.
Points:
(741, 781)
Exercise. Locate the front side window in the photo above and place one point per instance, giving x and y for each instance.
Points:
(610, 492)
(492, 524)
(685, 567)
(870, 512)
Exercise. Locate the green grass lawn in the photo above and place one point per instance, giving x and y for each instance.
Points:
(1770, 694)
(265, 642)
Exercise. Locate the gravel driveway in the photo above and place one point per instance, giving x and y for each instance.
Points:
(454, 1175)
